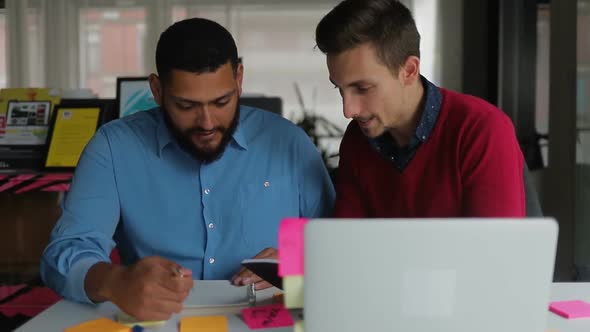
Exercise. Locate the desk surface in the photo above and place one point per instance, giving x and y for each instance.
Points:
(65, 313)
(565, 292)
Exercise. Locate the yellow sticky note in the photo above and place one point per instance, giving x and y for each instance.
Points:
(99, 325)
(204, 324)
(293, 288)
(298, 327)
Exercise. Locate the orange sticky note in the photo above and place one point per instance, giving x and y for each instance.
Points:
(204, 324)
(99, 325)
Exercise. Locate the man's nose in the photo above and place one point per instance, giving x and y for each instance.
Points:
(204, 119)
(350, 106)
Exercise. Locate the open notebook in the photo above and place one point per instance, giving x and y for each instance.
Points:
(208, 297)
(219, 293)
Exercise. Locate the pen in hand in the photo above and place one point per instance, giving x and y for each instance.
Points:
(177, 272)
(182, 276)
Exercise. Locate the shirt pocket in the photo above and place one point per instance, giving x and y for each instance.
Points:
(264, 204)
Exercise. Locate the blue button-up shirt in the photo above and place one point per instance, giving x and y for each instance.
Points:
(135, 185)
(385, 144)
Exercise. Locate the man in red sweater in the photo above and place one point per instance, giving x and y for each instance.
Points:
(413, 149)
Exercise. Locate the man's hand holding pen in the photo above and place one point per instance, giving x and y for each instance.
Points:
(152, 289)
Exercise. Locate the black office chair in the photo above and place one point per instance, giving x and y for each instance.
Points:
(533, 207)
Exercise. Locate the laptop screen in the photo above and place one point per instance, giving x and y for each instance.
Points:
(446, 275)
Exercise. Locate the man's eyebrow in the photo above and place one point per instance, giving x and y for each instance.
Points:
(227, 95)
(185, 100)
(354, 83)
(358, 83)
(197, 102)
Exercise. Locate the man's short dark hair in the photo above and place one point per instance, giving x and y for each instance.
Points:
(196, 45)
(386, 24)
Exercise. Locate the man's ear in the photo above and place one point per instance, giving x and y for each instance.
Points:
(240, 77)
(409, 72)
(156, 87)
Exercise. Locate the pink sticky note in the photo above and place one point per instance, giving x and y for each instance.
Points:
(571, 309)
(266, 317)
(291, 246)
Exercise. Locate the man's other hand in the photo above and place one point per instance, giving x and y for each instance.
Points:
(247, 277)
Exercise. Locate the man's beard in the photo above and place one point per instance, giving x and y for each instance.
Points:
(183, 137)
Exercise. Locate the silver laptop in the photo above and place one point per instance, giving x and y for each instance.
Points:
(427, 275)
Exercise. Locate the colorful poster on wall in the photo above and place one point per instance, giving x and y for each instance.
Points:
(25, 114)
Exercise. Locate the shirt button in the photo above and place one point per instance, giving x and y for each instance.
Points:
(211, 260)
(267, 184)
(211, 226)
(207, 191)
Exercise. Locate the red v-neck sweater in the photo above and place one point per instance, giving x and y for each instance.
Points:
(471, 165)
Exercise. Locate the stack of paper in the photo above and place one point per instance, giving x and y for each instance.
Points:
(215, 297)
(131, 321)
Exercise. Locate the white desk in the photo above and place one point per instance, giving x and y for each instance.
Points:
(64, 313)
(564, 292)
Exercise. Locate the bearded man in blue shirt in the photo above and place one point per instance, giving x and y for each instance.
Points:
(185, 191)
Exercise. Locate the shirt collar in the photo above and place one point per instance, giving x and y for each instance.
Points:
(239, 135)
(165, 138)
(162, 133)
(385, 144)
(432, 104)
